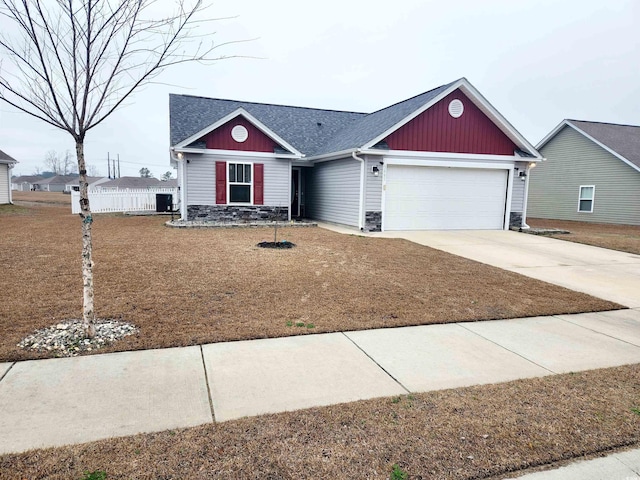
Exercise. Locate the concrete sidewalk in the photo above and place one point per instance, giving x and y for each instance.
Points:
(617, 466)
(73, 400)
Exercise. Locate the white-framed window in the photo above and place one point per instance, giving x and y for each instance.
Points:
(586, 197)
(240, 182)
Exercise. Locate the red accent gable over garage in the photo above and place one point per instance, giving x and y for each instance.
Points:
(222, 139)
(436, 130)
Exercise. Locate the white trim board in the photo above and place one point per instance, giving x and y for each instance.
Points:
(236, 153)
(447, 163)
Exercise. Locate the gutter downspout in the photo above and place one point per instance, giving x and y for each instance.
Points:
(526, 196)
(181, 181)
(9, 168)
(362, 185)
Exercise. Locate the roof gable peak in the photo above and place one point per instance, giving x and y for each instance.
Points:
(240, 112)
(612, 137)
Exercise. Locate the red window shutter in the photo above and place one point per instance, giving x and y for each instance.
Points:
(258, 184)
(221, 183)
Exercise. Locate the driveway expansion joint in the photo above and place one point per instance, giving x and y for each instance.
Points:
(8, 370)
(374, 361)
(461, 324)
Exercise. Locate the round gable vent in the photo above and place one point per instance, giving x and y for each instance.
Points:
(456, 108)
(239, 133)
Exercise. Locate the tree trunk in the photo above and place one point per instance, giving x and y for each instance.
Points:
(88, 315)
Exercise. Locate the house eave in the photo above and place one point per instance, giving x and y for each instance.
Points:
(332, 156)
(449, 156)
(234, 153)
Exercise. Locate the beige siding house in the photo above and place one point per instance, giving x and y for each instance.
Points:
(6, 164)
(592, 174)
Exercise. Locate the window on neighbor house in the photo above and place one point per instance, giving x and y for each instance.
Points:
(585, 200)
(240, 183)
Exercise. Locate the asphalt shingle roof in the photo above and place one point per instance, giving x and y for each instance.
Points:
(27, 179)
(4, 158)
(622, 139)
(309, 130)
(57, 180)
(134, 182)
(371, 126)
(306, 129)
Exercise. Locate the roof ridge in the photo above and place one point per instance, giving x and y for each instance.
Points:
(603, 123)
(266, 104)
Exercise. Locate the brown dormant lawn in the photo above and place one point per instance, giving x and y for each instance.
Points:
(468, 433)
(194, 286)
(625, 238)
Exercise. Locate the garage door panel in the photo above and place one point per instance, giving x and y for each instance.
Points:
(435, 198)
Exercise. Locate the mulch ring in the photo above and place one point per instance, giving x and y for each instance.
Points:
(281, 244)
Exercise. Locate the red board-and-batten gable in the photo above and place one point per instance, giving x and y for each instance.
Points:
(435, 130)
(221, 139)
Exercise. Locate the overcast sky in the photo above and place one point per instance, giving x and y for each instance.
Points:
(536, 61)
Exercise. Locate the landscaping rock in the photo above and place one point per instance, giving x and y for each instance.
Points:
(68, 339)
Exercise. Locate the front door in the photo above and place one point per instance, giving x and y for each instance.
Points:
(295, 192)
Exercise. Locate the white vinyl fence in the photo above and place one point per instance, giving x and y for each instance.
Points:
(129, 200)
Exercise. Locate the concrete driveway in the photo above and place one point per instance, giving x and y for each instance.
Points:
(604, 273)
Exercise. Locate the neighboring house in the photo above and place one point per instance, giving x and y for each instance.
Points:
(592, 174)
(126, 183)
(6, 164)
(445, 159)
(54, 184)
(25, 183)
(74, 185)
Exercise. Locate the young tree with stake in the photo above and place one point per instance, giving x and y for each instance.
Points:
(72, 63)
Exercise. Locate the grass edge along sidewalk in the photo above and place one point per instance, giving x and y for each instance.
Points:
(488, 431)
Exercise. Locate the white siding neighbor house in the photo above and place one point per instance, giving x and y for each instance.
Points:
(444, 159)
(592, 174)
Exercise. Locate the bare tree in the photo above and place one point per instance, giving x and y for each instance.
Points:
(69, 164)
(52, 162)
(74, 62)
(60, 164)
(93, 171)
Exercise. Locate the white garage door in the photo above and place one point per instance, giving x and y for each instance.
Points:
(436, 198)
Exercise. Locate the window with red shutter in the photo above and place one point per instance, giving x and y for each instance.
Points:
(258, 184)
(221, 183)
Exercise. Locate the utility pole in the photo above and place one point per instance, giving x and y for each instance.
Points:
(118, 165)
(108, 166)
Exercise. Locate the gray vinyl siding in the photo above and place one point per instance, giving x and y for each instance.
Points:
(333, 192)
(572, 161)
(201, 180)
(517, 192)
(277, 183)
(373, 186)
(4, 183)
